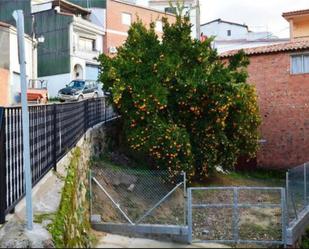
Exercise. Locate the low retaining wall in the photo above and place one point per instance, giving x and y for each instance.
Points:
(166, 232)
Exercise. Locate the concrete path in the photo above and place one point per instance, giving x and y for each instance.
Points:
(46, 197)
(117, 241)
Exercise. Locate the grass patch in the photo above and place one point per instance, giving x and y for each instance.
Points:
(39, 218)
(106, 161)
(250, 178)
(305, 240)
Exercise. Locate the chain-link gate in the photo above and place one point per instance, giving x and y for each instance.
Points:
(243, 215)
(138, 196)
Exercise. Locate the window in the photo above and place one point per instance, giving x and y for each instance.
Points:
(159, 26)
(300, 64)
(172, 10)
(229, 32)
(126, 19)
(86, 44)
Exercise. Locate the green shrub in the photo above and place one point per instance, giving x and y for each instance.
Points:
(181, 105)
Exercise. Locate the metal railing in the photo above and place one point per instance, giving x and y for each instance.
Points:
(246, 215)
(297, 189)
(54, 130)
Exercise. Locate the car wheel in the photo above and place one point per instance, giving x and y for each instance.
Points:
(80, 98)
(62, 100)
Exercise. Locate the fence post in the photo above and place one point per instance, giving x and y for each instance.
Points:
(287, 190)
(185, 196)
(305, 186)
(105, 109)
(90, 192)
(86, 115)
(3, 186)
(55, 136)
(189, 203)
(235, 215)
(284, 216)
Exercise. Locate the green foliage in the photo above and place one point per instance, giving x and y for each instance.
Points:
(180, 104)
(305, 240)
(70, 228)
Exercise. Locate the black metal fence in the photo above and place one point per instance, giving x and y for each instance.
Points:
(54, 130)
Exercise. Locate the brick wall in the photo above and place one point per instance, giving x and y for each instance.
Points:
(284, 106)
(116, 32)
(4, 87)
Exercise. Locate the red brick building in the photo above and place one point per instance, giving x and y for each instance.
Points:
(120, 15)
(281, 76)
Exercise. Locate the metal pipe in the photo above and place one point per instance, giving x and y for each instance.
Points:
(283, 216)
(90, 192)
(305, 185)
(190, 215)
(287, 189)
(185, 197)
(235, 215)
(19, 17)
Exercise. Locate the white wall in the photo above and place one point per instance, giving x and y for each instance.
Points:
(161, 7)
(98, 17)
(219, 30)
(99, 43)
(56, 82)
(15, 67)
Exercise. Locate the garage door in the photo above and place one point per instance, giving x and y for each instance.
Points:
(92, 72)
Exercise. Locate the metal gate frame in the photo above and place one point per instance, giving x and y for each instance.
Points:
(235, 206)
(117, 205)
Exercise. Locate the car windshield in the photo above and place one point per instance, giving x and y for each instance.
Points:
(76, 84)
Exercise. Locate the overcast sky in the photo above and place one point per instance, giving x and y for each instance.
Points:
(259, 15)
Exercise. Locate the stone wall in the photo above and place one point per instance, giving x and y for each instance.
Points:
(71, 227)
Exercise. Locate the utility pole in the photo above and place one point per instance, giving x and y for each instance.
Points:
(19, 17)
(198, 20)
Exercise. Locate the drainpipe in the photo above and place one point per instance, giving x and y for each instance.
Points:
(34, 51)
(198, 20)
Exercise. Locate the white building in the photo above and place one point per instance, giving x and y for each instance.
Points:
(229, 36)
(72, 43)
(190, 7)
(9, 63)
(223, 30)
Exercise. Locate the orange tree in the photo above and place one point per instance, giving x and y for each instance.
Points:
(181, 106)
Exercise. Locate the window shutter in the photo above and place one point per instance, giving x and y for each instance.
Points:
(297, 64)
(306, 63)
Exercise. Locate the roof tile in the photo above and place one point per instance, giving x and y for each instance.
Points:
(288, 46)
(294, 13)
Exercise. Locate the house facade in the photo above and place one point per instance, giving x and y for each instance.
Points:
(116, 17)
(280, 73)
(72, 44)
(224, 30)
(9, 65)
(190, 7)
(230, 36)
(119, 17)
(299, 24)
